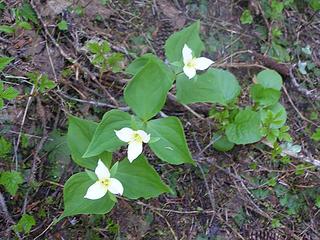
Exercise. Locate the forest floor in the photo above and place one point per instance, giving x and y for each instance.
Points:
(241, 194)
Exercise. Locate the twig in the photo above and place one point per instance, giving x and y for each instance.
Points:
(175, 211)
(4, 210)
(95, 103)
(308, 93)
(167, 222)
(36, 158)
(302, 157)
(15, 156)
(172, 97)
(296, 109)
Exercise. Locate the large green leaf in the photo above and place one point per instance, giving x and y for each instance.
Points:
(264, 96)
(138, 64)
(139, 179)
(215, 86)
(172, 146)
(80, 133)
(104, 138)
(146, 93)
(74, 202)
(246, 128)
(270, 79)
(189, 36)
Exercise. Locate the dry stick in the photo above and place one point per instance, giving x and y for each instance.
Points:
(36, 158)
(172, 97)
(6, 214)
(308, 93)
(99, 104)
(4, 210)
(302, 157)
(15, 156)
(296, 109)
(66, 56)
(167, 222)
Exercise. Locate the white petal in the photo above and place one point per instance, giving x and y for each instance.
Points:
(202, 63)
(189, 71)
(125, 134)
(186, 54)
(115, 186)
(145, 136)
(96, 191)
(102, 171)
(134, 150)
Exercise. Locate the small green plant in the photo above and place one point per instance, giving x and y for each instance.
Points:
(102, 56)
(9, 93)
(11, 181)
(63, 25)
(24, 18)
(25, 223)
(246, 17)
(41, 82)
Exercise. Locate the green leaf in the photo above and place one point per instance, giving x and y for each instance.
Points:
(246, 128)
(221, 143)
(172, 146)
(146, 93)
(189, 36)
(315, 5)
(246, 17)
(75, 203)
(63, 25)
(11, 181)
(27, 12)
(270, 79)
(5, 146)
(9, 94)
(104, 138)
(4, 61)
(7, 29)
(138, 64)
(46, 84)
(1, 103)
(105, 47)
(139, 179)
(93, 47)
(264, 96)
(25, 223)
(24, 25)
(316, 135)
(279, 113)
(80, 133)
(214, 86)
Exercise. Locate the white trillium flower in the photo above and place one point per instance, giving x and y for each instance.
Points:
(192, 64)
(104, 184)
(135, 139)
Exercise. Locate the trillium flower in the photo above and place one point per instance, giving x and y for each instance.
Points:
(135, 139)
(104, 184)
(192, 64)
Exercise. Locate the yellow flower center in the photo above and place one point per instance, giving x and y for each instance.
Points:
(105, 182)
(192, 63)
(137, 138)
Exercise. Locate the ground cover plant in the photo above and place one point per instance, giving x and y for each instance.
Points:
(144, 120)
